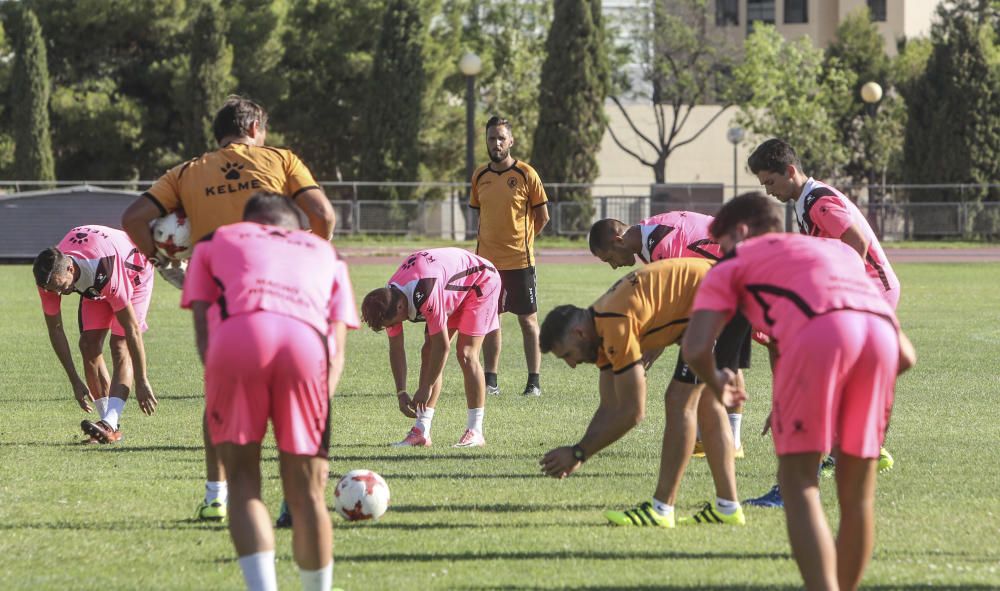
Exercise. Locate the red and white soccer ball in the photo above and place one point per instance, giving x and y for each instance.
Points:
(172, 236)
(361, 495)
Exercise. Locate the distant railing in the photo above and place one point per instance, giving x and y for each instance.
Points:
(439, 209)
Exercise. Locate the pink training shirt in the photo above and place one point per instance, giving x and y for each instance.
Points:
(436, 282)
(248, 267)
(677, 234)
(111, 267)
(824, 211)
(781, 281)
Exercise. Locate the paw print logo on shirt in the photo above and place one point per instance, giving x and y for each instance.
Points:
(512, 183)
(232, 170)
(79, 238)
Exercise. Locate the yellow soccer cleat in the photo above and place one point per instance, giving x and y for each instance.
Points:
(709, 515)
(885, 460)
(643, 515)
(214, 510)
(699, 449)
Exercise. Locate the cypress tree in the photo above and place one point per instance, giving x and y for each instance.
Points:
(211, 76)
(30, 89)
(571, 120)
(393, 120)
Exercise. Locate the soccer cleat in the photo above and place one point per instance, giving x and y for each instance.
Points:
(769, 500)
(90, 440)
(828, 467)
(492, 390)
(415, 438)
(531, 390)
(101, 431)
(885, 461)
(284, 517)
(471, 438)
(709, 515)
(214, 510)
(643, 515)
(699, 451)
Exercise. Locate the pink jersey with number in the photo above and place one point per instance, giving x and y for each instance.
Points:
(248, 267)
(782, 281)
(825, 212)
(677, 234)
(111, 267)
(436, 282)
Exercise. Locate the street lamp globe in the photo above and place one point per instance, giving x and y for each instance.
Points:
(871, 92)
(735, 134)
(470, 64)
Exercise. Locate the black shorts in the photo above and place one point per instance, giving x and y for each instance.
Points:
(732, 350)
(518, 291)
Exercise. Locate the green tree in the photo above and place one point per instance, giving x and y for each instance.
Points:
(211, 79)
(33, 158)
(685, 64)
(255, 30)
(6, 140)
(792, 93)
(574, 82)
(393, 121)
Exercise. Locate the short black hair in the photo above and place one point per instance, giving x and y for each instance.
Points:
(45, 263)
(496, 121)
(273, 209)
(557, 324)
(755, 209)
(236, 116)
(603, 232)
(774, 155)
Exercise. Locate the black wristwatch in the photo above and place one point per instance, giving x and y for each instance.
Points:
(578, 453)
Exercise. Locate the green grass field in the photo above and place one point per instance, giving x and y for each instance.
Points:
(118, 517)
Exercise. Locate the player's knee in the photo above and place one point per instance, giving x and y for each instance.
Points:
(466, 359)
(91, 345)
(528, 321)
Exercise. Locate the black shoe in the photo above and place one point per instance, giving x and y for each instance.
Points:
(284, 518)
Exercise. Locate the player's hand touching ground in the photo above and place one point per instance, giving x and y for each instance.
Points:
(559, 462)
(83, 396)
(406, 404)
(145, 397)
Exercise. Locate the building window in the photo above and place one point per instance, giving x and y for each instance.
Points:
(727, 13)
(796, 11)
(877, 8)
(759, 11)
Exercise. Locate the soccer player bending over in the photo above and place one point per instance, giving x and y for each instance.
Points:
(670, 235)
(275, 352)
(453, 291)
(644, 311)
(115, 283)
(839, 349)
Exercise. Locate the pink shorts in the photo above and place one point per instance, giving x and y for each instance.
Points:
(98, 315)
(264, 366)
(833, 385)
(477, 315)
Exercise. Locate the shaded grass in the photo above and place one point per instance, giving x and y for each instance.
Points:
(484, 518)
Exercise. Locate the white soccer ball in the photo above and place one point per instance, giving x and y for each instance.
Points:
(172, 236)
(361, 495)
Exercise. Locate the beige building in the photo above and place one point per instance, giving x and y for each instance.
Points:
(709, 159)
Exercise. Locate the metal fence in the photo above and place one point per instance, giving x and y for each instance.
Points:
(439, 209)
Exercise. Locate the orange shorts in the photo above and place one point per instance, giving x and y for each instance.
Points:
(833, 385)
(264, 366)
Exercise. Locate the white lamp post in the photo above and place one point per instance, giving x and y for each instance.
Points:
(470, 65)
(735, 135)
(871, 94)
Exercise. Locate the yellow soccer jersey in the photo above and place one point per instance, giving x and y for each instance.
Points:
(645, 310)
(213, 188)
(505, 201)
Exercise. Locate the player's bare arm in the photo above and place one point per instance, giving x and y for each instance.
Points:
(339, 331)
(622, 407)
(136, 220)
(697, 350)
(437, 346)
(57, 336)
(397, 361)
(200, 315)
(856, 240)
(133, 337)
(322, 219)
(541, 214)
(907, 353)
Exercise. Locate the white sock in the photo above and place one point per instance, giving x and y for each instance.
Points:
(697, 433)
(258, 571)
(726, 507)
(475, 419)
(424, 421)
(317, 580)
(218, 491)
(114, 411)
(735, 421)
(662, 509)
(101, 404)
